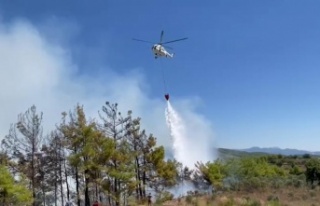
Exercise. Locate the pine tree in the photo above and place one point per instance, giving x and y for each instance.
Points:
(53, 166)
(13, 192)
(151, 169)
(25, 148)
(90, 151)
(164, 173)
(120, 174)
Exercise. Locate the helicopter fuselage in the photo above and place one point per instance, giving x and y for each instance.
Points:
(160, 51)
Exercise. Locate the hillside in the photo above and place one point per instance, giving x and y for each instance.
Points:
(277, 150)
(225, 153)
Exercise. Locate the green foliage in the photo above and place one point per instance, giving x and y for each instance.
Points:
(313, 171)
(163, 197)
(306, 156)
(189, 199)
(118, 157)
(295, 170)
(166, 172)
(253, 203)
(118, 160)
(12, 192)
(273, 203)
(23, 144)
(229, 202)
(93, 154)
(214, 172)
(245, 173)
(258, 167)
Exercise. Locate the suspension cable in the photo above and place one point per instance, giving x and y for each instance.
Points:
(163, 77)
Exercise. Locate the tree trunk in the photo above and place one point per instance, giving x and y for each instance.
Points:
(66, 176)
(116, 191)
(56, 177)
(86, 193)
(144, 179)
(32, 178)
(97, 190)
(4, 198)
(138, 176)
(78, 187)
(59, 160)
(44, 196)
(109, 198)
(55, 193)
(61, 186)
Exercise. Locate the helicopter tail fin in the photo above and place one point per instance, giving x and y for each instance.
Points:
(171, 55)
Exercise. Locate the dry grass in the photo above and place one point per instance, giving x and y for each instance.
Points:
(283, 197)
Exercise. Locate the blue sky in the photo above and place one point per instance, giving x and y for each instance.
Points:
(254, 64)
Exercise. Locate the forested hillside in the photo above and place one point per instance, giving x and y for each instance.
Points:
(116, 162)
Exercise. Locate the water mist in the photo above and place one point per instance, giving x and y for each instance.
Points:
(190, 140)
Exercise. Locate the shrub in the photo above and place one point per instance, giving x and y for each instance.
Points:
(164, 196)
(306, 156)
(189, 199)
(273, 203)
(277, 183)
(295, 170)
(250, 202)
(272, 198)
(229, 202)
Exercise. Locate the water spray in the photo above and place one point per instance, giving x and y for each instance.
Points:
(190, 141)
(186, 149)
(178, 134)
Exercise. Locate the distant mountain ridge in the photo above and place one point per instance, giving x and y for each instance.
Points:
(277, 150)
(225, 153)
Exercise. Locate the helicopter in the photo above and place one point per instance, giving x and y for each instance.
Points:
(158, 49)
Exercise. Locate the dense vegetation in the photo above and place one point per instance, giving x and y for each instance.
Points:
(116, 162)
(247, 175)
(83, 160)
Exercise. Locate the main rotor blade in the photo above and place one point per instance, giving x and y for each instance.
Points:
(174, 40)
(161, 36)
(143, 41)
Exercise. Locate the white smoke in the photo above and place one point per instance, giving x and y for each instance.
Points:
(190, 144)
(37, 68)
